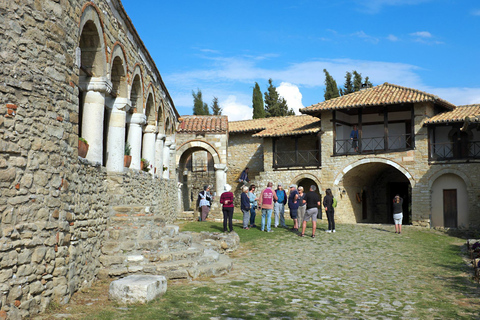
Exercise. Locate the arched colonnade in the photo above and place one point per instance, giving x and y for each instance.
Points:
(117, 106)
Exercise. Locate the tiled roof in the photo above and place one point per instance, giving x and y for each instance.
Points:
(203, 124)
(384, 94)
(277, 126)
(457, 115)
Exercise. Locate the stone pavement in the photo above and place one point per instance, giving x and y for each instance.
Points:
(359, 272)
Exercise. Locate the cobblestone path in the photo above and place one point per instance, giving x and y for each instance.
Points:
(359, 272)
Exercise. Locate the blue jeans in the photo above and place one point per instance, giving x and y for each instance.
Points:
(267, 215)
(279, 214)
(252, 215)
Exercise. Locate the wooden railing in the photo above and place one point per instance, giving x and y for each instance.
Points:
(301, 158)
(374, 144)
(453, 150)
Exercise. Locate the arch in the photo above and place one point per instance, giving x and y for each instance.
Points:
(198, 144)
(136, 92)
(310, 176)
(374, 160)
(119, 71)
(150, 106)
(442, 172)
(92, 43)
(449, 201)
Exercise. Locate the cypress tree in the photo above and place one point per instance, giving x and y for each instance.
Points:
(216, 110)
(199, 107)
(348, 86)
(257, 102)
(274, 105)
(331, 90)
(357, 80)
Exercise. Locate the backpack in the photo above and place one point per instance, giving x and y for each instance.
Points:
(334, 204)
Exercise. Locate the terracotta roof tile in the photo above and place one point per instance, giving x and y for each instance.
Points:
(457, 115)
(203, 124)
(384, 94)
(277, 126)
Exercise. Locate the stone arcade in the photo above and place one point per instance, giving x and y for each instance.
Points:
(73, 69)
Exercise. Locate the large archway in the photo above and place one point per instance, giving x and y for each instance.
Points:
(196, 167)
(368, 189)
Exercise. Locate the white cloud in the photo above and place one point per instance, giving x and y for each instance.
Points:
(392, 38)
(476, 12)
(457, 96)
(421, 34)
(292, 94)
(366, 37)
(235, 110)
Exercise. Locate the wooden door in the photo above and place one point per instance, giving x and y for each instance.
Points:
(450, 208)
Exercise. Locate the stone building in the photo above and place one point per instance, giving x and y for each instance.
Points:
(409, 143)
(201, 156)
(73, 69)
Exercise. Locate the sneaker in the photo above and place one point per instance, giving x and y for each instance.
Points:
(328, 231)
(333, 230)
(246, 228)
(270, 231)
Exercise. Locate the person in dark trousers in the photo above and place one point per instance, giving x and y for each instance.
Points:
(244, 177)
(253, 204)
(226, 199)
(329, 210)
(398, 213)
(293, 205)
(245, 207)
(312, 200)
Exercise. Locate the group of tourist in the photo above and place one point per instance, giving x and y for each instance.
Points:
(303, 206)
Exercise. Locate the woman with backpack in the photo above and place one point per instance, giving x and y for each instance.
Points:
(328, 202)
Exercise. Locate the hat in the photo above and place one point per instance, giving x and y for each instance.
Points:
(279, 185)
(293, 186)
(227, 187)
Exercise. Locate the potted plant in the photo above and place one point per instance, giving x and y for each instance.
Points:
(144, 165)
(82, 147)
(127, 158)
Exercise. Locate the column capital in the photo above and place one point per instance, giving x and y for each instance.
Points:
(220, 166)
(136, 118)
(173, 146)
(100, 84)
(161, 136)
(150, 129)
(122, 104)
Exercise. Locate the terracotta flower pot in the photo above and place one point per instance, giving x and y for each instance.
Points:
(141, 165)
(82, 149)
(126, 161)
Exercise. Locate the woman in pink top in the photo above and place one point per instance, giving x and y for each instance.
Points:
(226, 199)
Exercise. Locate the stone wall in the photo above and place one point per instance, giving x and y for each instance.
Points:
(54, 206)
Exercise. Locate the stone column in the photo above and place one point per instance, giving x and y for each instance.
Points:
(159, 143)
(116, 134)
(166, 157)
(136, 121)
(149, 140)
(93, 113)
(220, 178)
(173, 172)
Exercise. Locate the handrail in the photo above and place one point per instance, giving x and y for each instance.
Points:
(374, 144)
(455, 150)
(299, 158)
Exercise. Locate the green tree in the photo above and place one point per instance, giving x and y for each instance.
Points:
(357, 81)
(216, 110)
(200, 108)
(348, 86)
(257, 102)
(275, 106)
(331, 90)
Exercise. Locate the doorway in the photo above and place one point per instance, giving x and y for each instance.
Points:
(450, 208)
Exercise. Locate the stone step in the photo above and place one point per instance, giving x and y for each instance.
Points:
(208, 264)
(166, 243)
(132, 232)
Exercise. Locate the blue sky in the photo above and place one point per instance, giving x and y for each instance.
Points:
(224, 47)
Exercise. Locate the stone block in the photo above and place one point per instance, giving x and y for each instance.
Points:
(137, 288)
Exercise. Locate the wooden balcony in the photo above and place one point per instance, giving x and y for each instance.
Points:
(455, 150)
(389, 143)
(299, 158)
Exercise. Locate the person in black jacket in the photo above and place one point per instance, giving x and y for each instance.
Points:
(329, 210)
(398, 213)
